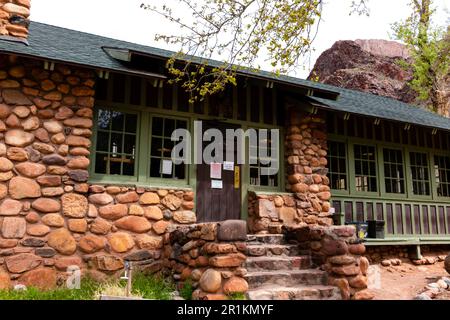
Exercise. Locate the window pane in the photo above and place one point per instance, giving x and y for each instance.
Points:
(419, 173)
(393, 171)
(115, 149)
(337, 165)
(365, 168)
(442, 174)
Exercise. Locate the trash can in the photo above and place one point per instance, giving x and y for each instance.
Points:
(361, 228)
(376, 229)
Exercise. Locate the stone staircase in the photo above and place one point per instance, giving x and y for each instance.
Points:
(277, 270)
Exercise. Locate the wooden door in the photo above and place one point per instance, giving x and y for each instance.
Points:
(214, 204)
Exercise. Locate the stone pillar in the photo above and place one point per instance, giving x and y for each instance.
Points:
(306, 165)
(14, 18)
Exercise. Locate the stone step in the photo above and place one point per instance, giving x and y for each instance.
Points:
(256, 279)
(278, 263)
(313, 292)
(266, 238)
(257, 249)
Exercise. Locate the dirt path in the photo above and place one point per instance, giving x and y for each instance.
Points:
(404, 282)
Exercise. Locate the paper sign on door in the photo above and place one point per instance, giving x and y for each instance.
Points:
(216, 184)
(228, 165)
(216, 171)
(237, 177)
(166, 167)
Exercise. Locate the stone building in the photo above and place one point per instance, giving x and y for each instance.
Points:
(87, 177)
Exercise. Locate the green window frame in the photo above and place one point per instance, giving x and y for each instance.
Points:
(442, 175)
(420, 173)
(365, 171)
(255, 177)
(394, 175)
(160, 146)
(116, 143)
(337, 165)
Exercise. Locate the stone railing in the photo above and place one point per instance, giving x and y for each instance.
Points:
(338, 252)
(211, 255)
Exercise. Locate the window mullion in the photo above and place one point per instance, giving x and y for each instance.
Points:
(143, 152)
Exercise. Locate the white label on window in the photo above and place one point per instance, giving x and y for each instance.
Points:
(166, 167)
(216, 184)
(228, 165)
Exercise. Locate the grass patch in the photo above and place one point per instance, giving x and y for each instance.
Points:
(187, 289)
(148, 287)
(237, 296)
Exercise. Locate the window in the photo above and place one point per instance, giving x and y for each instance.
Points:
(161, 145)
(442, 173)
(394, 178)
(419, 173)
(337, 165)
(365, 168)
(116, 143)
(257, 177)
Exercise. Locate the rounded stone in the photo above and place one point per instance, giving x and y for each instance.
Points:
(74, 205)
(91, 243)
(136, 210)
(113, 212)
(100, 226)
(13, 228)
(145, 241)
(127, 197)
(30, 169)
(18, 138)
(235, 285)
(5, 164)
(210, 281)
(21, 188)
(100, 199)
(38, 230)
(121, 242)
(160, 226)
(10, 207)
(172, 202)
(22, 262)
(184, 217)
(46, 205)
(447, 264)
(17, 154)
(149, 198)
(134, 224)
(62, 241)
(53, 220)
(77, 225)
(153, 212)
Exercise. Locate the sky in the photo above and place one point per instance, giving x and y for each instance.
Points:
(125, 20)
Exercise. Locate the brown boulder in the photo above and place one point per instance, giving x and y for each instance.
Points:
(232, 230)
(108, 263)
(225, 261)
(46, 205)
(17, 154)
(41, 278)
(30, 169)
(185, 217)
(74, 205)
(53, 220)
(149, 198)
(134, 224)
(10, 207)
(145, 241)
(100, 199)
(153, 212)
(77, 225)
(49, 181)
(22, 262)
(121, 242)
(100, 226)
(54, 160)
(172, 202)
(15, 97)
(13, 228)
(160, 226)
(235, 285)
(91, 243)
(5, 164)
(38, 230)
(18, 138)
(210, 281)
(447, 264)
(65, 262)
(128, 197)
(62, 241)
(359, 282)
(78, 163)
(21, 188)
(113, 212)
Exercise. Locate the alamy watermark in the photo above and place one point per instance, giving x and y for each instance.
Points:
(263, 147)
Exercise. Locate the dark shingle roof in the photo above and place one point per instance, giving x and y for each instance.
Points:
(71, 46)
